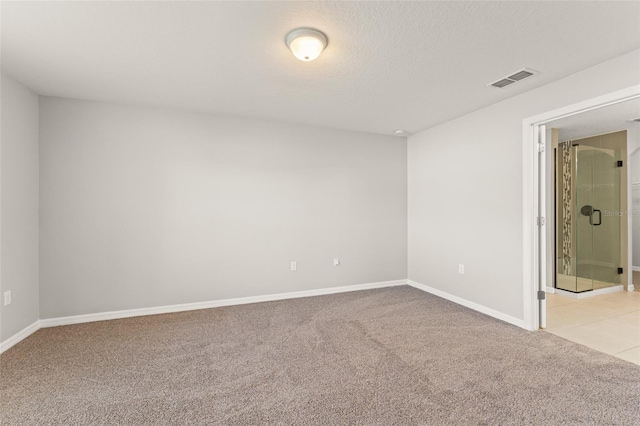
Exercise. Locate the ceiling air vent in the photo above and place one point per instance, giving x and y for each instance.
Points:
(520, 75)
(503, 82)
(515, 77)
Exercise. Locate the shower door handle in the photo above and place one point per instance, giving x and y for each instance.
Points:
(599, 217)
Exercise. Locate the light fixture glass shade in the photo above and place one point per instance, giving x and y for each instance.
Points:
(306, 43)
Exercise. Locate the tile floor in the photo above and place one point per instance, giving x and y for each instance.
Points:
(609, 323)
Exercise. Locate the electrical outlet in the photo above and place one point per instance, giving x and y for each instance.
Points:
(461, 268)
(336, 261)
(7, 298)
(294, 267)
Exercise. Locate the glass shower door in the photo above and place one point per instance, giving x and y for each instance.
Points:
(607, 195)
(589, 224)
(587, 217)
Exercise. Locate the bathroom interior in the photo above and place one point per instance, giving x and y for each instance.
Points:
(593, 229)
(594, 200)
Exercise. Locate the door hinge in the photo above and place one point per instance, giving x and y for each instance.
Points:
(619, 163)
(540, 147)
(542, 294)
(541, 221)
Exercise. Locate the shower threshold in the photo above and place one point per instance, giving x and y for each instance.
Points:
(599, 288)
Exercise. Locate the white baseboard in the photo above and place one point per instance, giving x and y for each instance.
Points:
(551, 290)
(19, 336)
(102, 316)
(631, 287)
(635, 268)
(471, 305)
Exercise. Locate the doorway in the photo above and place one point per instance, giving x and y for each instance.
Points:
(538, 236)
(586, 178)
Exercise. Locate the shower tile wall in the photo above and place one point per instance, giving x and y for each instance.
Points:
(566, 207)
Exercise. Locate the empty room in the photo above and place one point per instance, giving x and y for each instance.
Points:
(319, 213)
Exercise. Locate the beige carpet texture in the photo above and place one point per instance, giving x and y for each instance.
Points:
(394, 356)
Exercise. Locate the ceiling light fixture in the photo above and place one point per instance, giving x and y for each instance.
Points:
(306, 43)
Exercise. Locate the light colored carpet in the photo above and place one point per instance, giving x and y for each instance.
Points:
(379, 357)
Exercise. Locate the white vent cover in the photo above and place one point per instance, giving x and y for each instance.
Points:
(513, 78)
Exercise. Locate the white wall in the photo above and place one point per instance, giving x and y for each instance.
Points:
(633, 137)
(465, 189)
(18, 207)
(144, 207)
(633, 143)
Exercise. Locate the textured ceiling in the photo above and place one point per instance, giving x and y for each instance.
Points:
(388, 65)
(598, 121)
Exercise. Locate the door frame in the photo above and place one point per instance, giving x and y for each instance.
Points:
(534, 185)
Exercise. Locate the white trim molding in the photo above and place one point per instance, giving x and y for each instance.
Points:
(468, 304)
(129, 313)
(19, 336)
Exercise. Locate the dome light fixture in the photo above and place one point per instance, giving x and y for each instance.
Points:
(306, 43)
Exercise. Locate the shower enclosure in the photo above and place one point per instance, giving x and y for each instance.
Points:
(590, 212)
